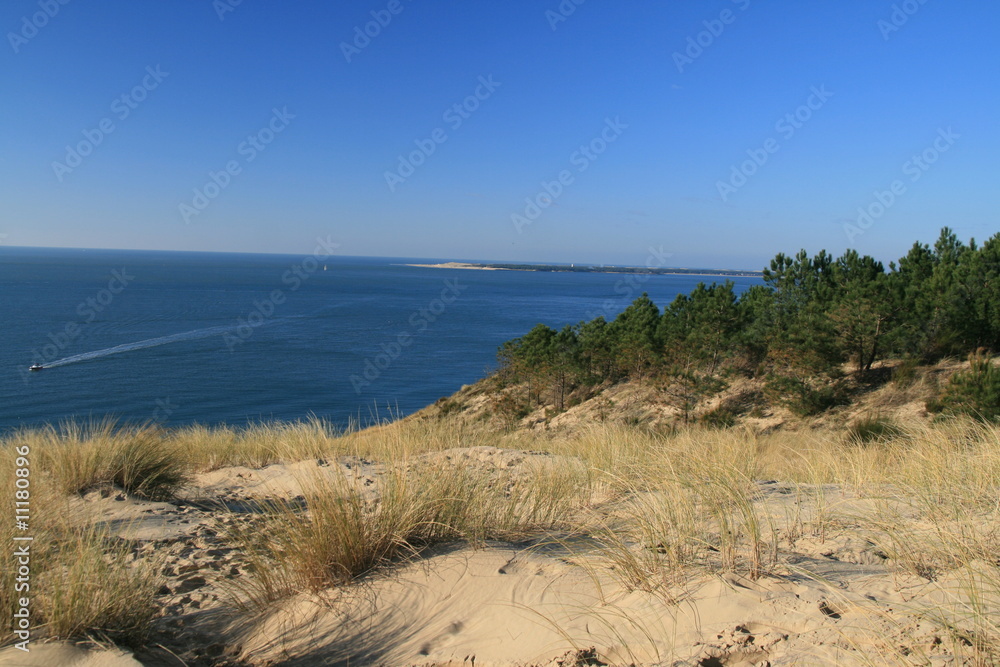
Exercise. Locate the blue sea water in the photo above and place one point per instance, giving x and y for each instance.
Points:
(211, 338)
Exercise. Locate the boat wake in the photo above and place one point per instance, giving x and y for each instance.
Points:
(175, 338)
(141, 344)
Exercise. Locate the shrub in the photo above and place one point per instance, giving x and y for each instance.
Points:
(873, 428)
(509, 408)
(814, 401)
(720, 417)
(447, 406)
(975, 392)
(804, 399)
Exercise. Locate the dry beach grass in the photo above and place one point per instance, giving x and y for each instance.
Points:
(279, 543)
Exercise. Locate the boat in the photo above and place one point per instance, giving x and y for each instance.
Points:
(35, 367)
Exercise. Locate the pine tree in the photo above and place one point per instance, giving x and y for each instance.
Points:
(862, 313)
(634, 336)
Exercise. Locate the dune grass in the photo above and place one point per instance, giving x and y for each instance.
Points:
(684, 503)
(75, 458)
(689, 503)
(257, 445)
(90, 588)
(341, 531)
(662, 507)
(83, 582)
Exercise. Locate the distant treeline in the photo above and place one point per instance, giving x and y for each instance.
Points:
(811, 316)
(622, 269)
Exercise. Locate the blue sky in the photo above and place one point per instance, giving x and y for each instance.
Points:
(683, 92)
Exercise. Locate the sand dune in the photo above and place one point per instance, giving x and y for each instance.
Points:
(514, 605)
(832, 598)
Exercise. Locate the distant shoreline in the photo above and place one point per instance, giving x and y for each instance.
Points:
(556, 268)
(456, 265)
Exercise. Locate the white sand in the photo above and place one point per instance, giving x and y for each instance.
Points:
(831, 600)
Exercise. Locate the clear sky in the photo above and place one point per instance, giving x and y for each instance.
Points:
(668, 98)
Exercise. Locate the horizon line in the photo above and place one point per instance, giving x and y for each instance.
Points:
(428, 259)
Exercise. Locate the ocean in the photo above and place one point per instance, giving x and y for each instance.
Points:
(224, 338)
